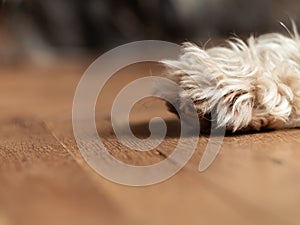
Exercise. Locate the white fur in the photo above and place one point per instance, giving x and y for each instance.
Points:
(251, 85)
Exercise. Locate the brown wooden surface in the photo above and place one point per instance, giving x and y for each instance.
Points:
(43, 179)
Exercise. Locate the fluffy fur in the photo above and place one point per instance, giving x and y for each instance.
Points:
(250, 85)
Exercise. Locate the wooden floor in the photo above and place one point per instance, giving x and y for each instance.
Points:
(44, 181)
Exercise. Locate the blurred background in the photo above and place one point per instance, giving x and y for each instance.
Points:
(41, 30)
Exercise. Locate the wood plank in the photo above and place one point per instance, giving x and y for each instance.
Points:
(42, 184)
(254, 180)
(251, 182)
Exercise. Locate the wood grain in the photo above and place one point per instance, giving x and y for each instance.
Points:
(44, 180)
